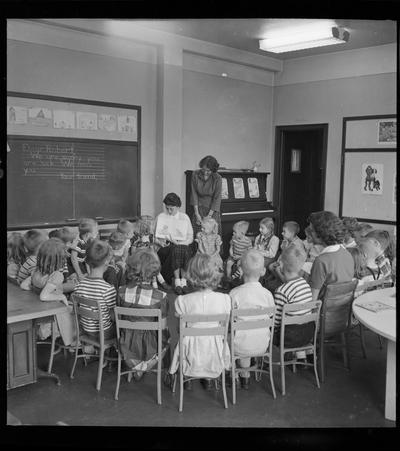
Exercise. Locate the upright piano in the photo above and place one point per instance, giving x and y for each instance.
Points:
(244, 197)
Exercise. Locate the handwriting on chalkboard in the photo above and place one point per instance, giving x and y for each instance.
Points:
(63, 161)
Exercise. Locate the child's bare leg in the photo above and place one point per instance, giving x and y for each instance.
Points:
(229, 265)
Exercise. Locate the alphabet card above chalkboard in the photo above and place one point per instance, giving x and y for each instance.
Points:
(54, 180)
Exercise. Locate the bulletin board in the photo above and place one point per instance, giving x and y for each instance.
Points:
(368, 170)
(70, 158)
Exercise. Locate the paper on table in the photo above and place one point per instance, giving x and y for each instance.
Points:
(375, 306)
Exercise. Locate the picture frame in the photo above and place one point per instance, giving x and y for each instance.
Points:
(387, 129)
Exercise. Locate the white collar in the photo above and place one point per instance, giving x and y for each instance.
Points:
(331, 248)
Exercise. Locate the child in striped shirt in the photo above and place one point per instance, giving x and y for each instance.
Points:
(16, 254)
(93, 286)
(238, 245)
(32, 241)
(294, 290)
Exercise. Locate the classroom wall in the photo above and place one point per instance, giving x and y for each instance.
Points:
(228, 118)
(334, 96)
(43, 69)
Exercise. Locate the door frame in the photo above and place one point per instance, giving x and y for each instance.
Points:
(278, 163)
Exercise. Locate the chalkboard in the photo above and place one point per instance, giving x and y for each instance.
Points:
(58, 180)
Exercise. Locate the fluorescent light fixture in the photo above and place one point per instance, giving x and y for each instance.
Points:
(314, 37)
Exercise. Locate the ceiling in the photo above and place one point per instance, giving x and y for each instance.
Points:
(244, 34)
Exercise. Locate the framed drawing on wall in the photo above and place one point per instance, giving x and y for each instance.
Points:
(368, 172)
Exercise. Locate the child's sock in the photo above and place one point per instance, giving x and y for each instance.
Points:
(154, 283)
(178, 282)
(160, 278)
(183, 282)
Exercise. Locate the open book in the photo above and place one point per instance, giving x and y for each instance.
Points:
(375, 306)
(171, 227)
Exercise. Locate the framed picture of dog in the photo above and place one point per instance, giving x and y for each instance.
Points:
(372, 178)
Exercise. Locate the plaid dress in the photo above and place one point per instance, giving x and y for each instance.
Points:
(139, 347)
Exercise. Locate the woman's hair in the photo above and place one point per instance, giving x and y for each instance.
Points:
(142, 266)
(293, 226)
(242, 226)
(203, 272)
(385, 240)
(328, 227)
(116, 238)
(268, 223)
(360, 261)
(51, 256)
(212, 221)
(97, 253)
(33, 238)
(15, 248)
(209, 162)
(86, 225)
(172, 200)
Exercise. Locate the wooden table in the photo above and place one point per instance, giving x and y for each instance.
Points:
(23, 308)
(384, 324)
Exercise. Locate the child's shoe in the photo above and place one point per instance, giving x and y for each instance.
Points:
(207, 384)
(185, 289)
(165, 286)
(178, 290)
(188, 385)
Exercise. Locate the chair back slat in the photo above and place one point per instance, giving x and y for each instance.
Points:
(137, 325)
(251, 324)
(300, 319)
(133, 311)
(203, 331)
(128, 312)
(312, 312)
(204, 318)
(253, 312)
(87, 313)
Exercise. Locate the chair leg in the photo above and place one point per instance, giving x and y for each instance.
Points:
(175, 378)
(283, 382)
(159, 369)
(118, 377)
(53, 344)
(180, 389)
(271, 376)
(75, 360)
(321, 360)
(315, 368)
(100, 369)
(343, 338)
(224, 389)
(259, 361)
(233, 379)
(361, 328)
(65, 352)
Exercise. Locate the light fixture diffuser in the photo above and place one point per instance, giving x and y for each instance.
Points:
(317, 37)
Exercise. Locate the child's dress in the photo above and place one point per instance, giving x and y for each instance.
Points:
(203, 356)
(210, 245)
(65, 321)
(139, 347)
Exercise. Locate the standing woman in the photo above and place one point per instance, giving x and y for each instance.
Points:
(206, 193)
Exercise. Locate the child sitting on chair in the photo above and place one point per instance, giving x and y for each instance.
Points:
(350, 225)
(251, 295)
(312, 251)
(203, 355)
(16, 254)
(88, 230)
(374, 245)
(93, 286)
(32, 241)
(116, 267)
(266, 242)
(294, 290)
(209, 242)
(238, 245)
(290, 230)
(139, 347)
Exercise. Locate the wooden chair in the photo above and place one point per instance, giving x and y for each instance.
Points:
(125, 324)
(290, 318)
(237, 323)
(335, 320)
(185, 331)
(90, 309)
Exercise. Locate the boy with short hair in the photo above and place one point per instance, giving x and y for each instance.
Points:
(251, 295)
(93, 286)
(294, 290)
(238, 245)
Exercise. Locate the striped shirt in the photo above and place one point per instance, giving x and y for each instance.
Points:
(239, 245)
(294, 291)
(99, 290)
(27, 268)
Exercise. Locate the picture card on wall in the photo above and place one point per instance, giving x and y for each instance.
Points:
(63, 119)
(253, 187)
(107, 122)
(224, 189)
(387, 131)
(238, 188)
(40, 116)
(372, 178)
(127, 124)
(86, 120)
(17, 114)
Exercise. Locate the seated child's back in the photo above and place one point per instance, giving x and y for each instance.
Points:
(16, 254)
(32, 241)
